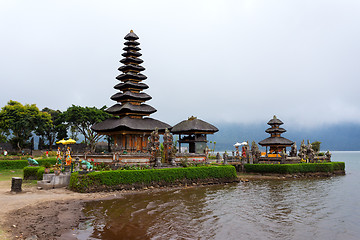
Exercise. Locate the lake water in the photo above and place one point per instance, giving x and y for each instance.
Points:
(326, 208)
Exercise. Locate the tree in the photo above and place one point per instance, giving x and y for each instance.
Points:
(3, 135)
(83, 118)
(21, 120)
(316, 146)
(56, 129)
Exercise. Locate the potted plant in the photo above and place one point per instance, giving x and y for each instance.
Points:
(47, 166)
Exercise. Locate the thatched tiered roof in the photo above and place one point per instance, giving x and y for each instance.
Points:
(130, 108)
(275, 132)
(194, 126)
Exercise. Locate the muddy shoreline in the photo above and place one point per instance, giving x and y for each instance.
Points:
(50, 214)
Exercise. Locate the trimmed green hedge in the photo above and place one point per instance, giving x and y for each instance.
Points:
(40, 173)
(33, 173)
(52, 161)
(20, 164)
(13, 164)
(295, 168)
(85, 182)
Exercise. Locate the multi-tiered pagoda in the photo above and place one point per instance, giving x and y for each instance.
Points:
(276, 142)
(130, 127)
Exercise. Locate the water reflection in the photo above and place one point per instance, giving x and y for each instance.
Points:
(273, 209)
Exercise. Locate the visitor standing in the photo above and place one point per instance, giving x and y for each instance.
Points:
(47, 153)
(5, 152)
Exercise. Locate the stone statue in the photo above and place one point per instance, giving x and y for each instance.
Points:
(225, 157)
(169, 147)
(310, 153)
(328, 155)
(293, 151)
(255, 152)
(218, 158)
(86, 165)
(303, 150)
(58, 156)
(68, 158)
(173, 155)
(154, 148)
(32, 162)
(77, 164)
(247, 152)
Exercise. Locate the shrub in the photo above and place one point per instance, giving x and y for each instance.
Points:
(40, 173)
(42, 162)
(295, 168)
(30, 172)
(87, 182)
(47, 164)
(33, 173)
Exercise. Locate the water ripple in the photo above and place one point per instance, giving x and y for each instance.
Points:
(273, 209)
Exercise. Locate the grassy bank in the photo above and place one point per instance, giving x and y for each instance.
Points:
(112, 180)
(329, 167)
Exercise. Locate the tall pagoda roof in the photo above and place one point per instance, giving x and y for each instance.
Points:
(130, 109)
(131, 48)
(142, 109)
(131, 60)
(131, 67)
(129, 54)
(130, 84)
(131, 36)
(192, 126)
(130, 95)
(132, 43)
(130, 124)
(131, 76)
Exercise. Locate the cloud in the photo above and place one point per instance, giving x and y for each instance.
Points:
(224, 61)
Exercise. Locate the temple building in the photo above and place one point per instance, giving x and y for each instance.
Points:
(194, 131)
(276, 142)
(130, 125)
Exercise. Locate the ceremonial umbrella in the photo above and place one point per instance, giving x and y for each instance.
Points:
(237, 144)
(70, 141)
(61, 141)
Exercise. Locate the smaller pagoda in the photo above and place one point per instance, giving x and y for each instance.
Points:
(194, 131)
(276, 142)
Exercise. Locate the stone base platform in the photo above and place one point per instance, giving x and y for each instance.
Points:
(51, 181)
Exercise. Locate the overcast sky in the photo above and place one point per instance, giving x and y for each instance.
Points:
(238, 61)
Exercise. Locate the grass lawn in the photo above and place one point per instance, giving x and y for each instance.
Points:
(6, 175)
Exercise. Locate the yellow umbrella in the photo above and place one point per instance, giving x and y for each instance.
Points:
(70, 141)
(61, 141)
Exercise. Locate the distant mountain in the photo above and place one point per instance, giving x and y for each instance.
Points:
(340, 137)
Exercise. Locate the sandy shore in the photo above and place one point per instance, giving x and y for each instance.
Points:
(45, 214)
(49, 214)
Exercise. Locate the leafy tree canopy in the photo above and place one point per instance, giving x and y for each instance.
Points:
(83, 118)
(21, 121)
(56, 129)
